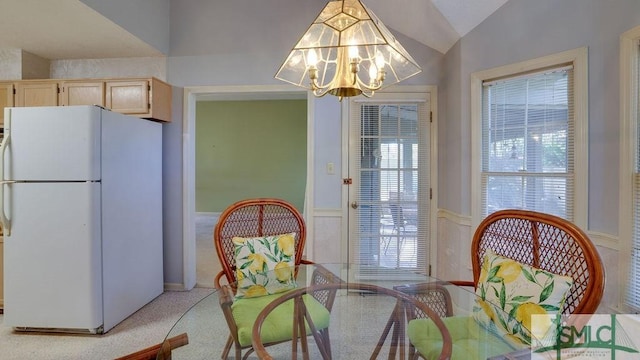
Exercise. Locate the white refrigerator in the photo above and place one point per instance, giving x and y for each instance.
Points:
(81, 211)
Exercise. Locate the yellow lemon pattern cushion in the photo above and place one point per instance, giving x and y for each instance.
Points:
(509, 293)
(264, 265)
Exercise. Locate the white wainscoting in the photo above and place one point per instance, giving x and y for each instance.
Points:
(328, 245)
(454, 240)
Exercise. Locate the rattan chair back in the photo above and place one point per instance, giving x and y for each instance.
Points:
(547, 242)
(255, 218)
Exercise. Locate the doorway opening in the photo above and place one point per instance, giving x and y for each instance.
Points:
(200, 265)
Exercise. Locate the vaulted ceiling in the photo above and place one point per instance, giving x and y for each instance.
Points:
(69, 29)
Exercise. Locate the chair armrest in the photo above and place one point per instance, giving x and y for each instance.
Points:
(322, 276)
(216, 280)
(434, 294)
(463, 283)
(162, 350)
(226, 297)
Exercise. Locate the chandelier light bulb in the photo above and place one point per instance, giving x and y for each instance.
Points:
(312, 57)
(353, 52)
(373, 73)
(379, 60)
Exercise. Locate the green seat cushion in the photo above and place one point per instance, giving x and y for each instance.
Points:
(278, 324)
(470, 340)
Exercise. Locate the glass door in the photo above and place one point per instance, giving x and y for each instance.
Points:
(389, 195)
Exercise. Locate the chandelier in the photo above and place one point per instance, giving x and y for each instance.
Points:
(345, 41)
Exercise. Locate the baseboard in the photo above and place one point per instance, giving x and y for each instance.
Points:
(205, 213)
(174, 287)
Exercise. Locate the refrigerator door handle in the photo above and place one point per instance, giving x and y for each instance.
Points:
(4, 221)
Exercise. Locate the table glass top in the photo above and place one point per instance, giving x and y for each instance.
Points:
(357, 318)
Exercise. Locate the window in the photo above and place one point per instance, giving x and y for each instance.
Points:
(630, 171)
(527, 143)
(529, 130)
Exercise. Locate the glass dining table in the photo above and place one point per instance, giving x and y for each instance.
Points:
(364, 319)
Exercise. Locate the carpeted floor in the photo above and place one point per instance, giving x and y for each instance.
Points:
(148, 326)
(207, 264)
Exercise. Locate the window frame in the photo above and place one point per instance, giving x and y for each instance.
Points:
(578, 59)
(629, 92)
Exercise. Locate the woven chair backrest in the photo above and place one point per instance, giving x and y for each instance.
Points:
(256, 218)
(547, 242)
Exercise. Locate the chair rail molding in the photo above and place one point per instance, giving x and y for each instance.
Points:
(462, 220)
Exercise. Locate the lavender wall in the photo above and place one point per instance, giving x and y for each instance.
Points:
(146, 19)
(522, 30)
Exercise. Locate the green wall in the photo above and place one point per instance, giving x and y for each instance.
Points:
(247, 149)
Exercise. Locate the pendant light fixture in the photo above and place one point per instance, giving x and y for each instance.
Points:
(347, 51)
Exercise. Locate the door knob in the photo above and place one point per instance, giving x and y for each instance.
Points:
(354, 204)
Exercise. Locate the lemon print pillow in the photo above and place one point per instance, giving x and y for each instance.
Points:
(265, 265)
(510, 292)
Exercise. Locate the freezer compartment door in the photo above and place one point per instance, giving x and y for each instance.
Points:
(52, 269)
(60, 143)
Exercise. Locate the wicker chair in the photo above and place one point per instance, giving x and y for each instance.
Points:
(256, 218)
(543, 241)
(547, 242)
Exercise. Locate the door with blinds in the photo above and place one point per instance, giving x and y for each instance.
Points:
(389, 165)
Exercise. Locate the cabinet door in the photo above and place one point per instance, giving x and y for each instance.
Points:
(82, 93)
(160, 99)
(128, 97)
(6, 99)
(37, 94)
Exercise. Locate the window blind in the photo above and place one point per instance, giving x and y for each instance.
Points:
(528, 142)
(633, 292)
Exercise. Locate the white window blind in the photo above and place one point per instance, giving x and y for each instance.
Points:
(633, 293)
(528, 143)
(392, 165)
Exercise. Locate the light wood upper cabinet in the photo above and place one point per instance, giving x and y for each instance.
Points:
(6, 99)
(146, 98)
(82, 93)
(36, 93)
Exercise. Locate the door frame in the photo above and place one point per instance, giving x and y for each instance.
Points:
(240, 92)
(432, 90)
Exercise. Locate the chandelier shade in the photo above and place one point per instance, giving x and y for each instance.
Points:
(347, 51)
